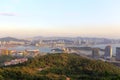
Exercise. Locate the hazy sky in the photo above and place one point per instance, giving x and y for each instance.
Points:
(23, 18)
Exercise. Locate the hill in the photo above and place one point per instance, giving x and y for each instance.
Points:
(7, 39)
(60, 66)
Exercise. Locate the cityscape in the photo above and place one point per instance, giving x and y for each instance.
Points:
(59, 39)
(86, 47)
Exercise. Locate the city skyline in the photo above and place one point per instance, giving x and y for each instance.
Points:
(89, 18)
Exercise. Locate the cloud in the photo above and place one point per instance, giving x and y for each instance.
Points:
(15, 1)
(7, 14)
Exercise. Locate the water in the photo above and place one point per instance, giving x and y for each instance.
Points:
(22, 48)
(48, 50)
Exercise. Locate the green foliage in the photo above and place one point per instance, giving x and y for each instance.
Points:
(4, 58)
(60, 66)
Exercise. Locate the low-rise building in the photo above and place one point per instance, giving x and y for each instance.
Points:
(15, 61)
(32, 53)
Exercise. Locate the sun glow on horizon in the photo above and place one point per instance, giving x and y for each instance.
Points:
(60, 18)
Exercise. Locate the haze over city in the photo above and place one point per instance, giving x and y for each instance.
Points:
(89, 18)
(59, 40)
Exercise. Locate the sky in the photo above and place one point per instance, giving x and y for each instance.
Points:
(86, 18)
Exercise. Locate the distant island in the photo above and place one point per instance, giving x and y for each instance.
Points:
(7, 39)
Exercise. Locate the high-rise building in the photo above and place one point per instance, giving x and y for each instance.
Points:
(118, 53)
(95, 53)
(108, 52)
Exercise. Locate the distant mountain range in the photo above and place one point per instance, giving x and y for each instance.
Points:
(94, 39)
(87, 39)
(72, 38)
(41, 37)
(7, 39)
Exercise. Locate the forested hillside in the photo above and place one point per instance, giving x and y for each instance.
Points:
(59, 67)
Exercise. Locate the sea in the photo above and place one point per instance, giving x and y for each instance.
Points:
(22, 48)
(48, 49)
